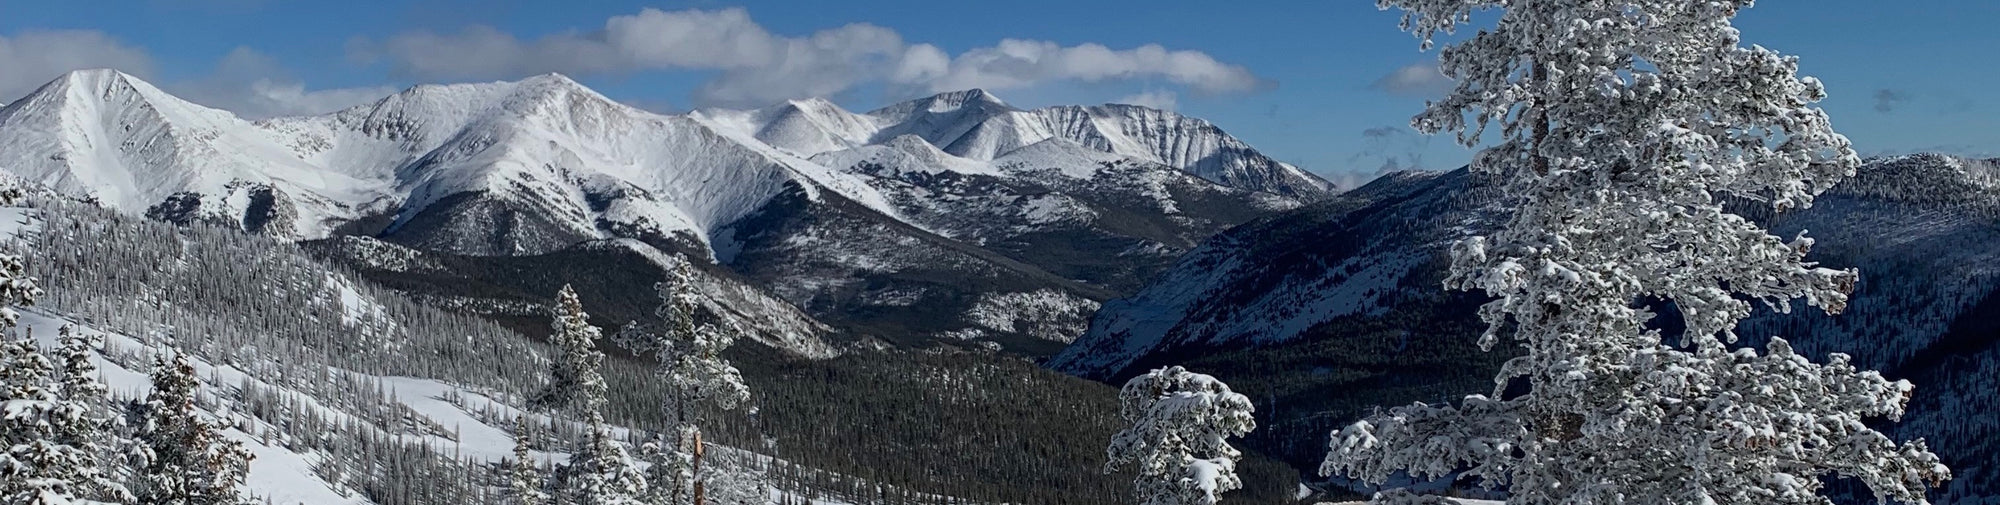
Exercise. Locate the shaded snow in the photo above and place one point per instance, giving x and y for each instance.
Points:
(19, 222)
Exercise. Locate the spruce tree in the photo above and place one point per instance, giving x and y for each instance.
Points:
(38, 466)
(1625, 128)
(90, 432)
(525, 482)
(184, 459)
(1180, 423)
(600, 471)
(689, 352)
(575, 384)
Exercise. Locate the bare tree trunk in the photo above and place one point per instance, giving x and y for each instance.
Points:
(699, 494)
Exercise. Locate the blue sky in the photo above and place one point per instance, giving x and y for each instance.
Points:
(1314, 83)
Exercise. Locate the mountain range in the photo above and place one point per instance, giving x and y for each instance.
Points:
(954, 217)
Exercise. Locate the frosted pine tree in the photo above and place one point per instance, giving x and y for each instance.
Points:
(525, 482)
(1624, 128)
(37, 426)
(575, 383)
(691, 363)
(184, 459)
(91, 431)
(17, 289)
(1178, 440)
(738, 488)
(600, 471)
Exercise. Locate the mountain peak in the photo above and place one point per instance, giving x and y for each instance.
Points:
(552, 78)
(974, 99)
(96, 77)
(810, 103)
(105, 81)
(97, 91)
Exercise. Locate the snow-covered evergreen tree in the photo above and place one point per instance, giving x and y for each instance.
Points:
(738, 488)
(575, 382)
(183, 458)
(526, 484)
(600, 471)
(689, 349)
(17, 289)
(37, 427)
(1178, 440)
(691, 363)
(90, 432)
(1624, 129)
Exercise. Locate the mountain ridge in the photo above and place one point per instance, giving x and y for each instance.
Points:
(985, 195)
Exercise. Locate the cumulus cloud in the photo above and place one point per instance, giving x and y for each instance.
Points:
(244, 81)
(1163, 100)
(755, 66)
(1422, 79)
(253, 85)
(30, 59)
(1015, 63)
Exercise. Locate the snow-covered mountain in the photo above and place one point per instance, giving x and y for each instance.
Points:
(975, 125)
(1338, 306)
(116, 139)
(898, 220)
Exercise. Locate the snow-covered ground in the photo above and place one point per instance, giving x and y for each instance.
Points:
(470, 425)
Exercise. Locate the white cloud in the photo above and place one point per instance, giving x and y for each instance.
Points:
(33, 58)
(755, 66)
(1016, 63)
(1163, 100)
(244, 81)
(255, 86)
(1422, 79)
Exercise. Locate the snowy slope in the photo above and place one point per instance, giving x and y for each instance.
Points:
(1270, 281)
(115, 138)
(459, 422)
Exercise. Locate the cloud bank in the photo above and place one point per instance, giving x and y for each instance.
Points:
(33, 58)
(755, 66)
(244, 81)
